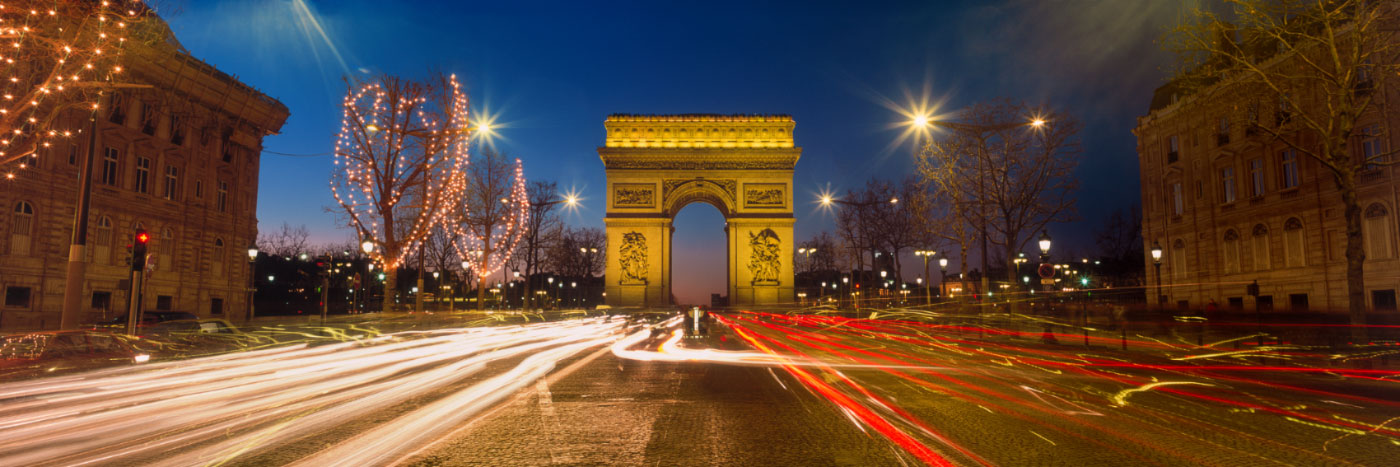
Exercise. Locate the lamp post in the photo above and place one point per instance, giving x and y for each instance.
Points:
(551, 282)
(252, 261)
(573, 292)
(943, 277)
(846, 282)
(807, 257)
(926, 255)
(1044, 244)
(515, 273)
(1157, 265)
(367, 246)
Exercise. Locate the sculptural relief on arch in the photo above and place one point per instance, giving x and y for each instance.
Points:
(740, 164)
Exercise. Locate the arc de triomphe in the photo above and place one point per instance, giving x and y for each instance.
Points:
(658, 164)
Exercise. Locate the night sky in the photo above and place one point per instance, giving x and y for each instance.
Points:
(550, 72)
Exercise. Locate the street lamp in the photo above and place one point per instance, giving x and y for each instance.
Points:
(943, 278)
(926, 255)
(252, 259)
(1044, 246)
(1157, 265)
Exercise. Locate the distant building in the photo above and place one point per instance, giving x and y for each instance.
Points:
(1230, 205)
(180, 160)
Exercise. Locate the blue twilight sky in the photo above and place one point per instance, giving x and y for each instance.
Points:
(551, 71)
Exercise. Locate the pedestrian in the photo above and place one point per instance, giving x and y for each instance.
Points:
(1211, 307)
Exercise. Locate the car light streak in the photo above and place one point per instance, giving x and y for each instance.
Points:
(249, 402)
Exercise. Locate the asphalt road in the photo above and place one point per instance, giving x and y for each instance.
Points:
(759, 389)
(615, 411)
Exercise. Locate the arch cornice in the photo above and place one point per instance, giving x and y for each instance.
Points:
(677, 194)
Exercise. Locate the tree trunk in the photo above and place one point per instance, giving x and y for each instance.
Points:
(391, 285)
(1356, 257)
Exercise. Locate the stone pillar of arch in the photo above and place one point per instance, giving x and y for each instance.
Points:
(740, 164)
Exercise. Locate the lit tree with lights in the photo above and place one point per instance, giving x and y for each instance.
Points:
(400, 163)
(492, 217)
(58, 55)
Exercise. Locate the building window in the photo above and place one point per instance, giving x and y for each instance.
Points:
(73, 154)
(111, 173)
(148, 118)
(1178, 260)
(22, 229)
(1178, 204)
(217, 262)
(199, 189)
(1256, 177)
(1173, 148)
(1293, 254)
(117, 114)
(102, 241)
(1260, 247)
(1252, 117)
(143, 174)
(1232, 251)
(1298, 302)
(216, 307)
(1288, 160)
(17, 297)
(1383, 300)
(166, 259)
(221, 198)
(1371, 151)
(177, 131)
(1222, 132)
(102, 301)
(1227, 184)
(1285, 110)
(172, 183)
(164, 302)
(1376, 231)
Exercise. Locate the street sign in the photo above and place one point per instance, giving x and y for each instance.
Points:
(1046, 270)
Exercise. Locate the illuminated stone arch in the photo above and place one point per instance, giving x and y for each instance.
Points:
(740, 164)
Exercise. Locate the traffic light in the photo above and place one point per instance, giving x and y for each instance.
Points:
(138, 249)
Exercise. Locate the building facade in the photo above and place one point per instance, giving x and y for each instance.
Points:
(176, 155)
(1230, 204)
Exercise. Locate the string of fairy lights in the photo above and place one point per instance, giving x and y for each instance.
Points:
(396, 162)
(472, 246)
(55, 55)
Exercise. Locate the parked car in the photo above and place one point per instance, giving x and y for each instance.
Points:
(49, 352)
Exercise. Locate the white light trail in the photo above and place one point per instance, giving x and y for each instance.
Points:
(241, 404)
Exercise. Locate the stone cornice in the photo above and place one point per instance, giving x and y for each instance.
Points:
(699, 158)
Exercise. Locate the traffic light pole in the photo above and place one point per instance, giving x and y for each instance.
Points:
(138, 271)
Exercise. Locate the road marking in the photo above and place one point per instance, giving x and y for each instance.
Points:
(1052, 443)
(546, 400)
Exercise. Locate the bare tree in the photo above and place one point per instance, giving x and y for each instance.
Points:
(579, 252)
(286, 241)
(63, 55)
(1120, 241)
(1013, 177)
(493, 216)
(826, 250)
(399, 163)
(1329, 65)
(542, 225)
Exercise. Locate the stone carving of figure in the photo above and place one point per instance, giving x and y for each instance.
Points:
(633, 254)
(765, 252)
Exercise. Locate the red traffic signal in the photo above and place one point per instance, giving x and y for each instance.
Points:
(142, 237)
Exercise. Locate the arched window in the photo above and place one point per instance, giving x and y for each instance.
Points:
(22, 229)
(102, 241)
(1232, 251)
(166, 247)
(1178, 260)
(218, 258)
(1260, 247)
(1293, 243)
(1375, 229)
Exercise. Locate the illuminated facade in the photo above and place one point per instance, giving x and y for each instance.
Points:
(1230, 205)
(180, 159)
(740, 164)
